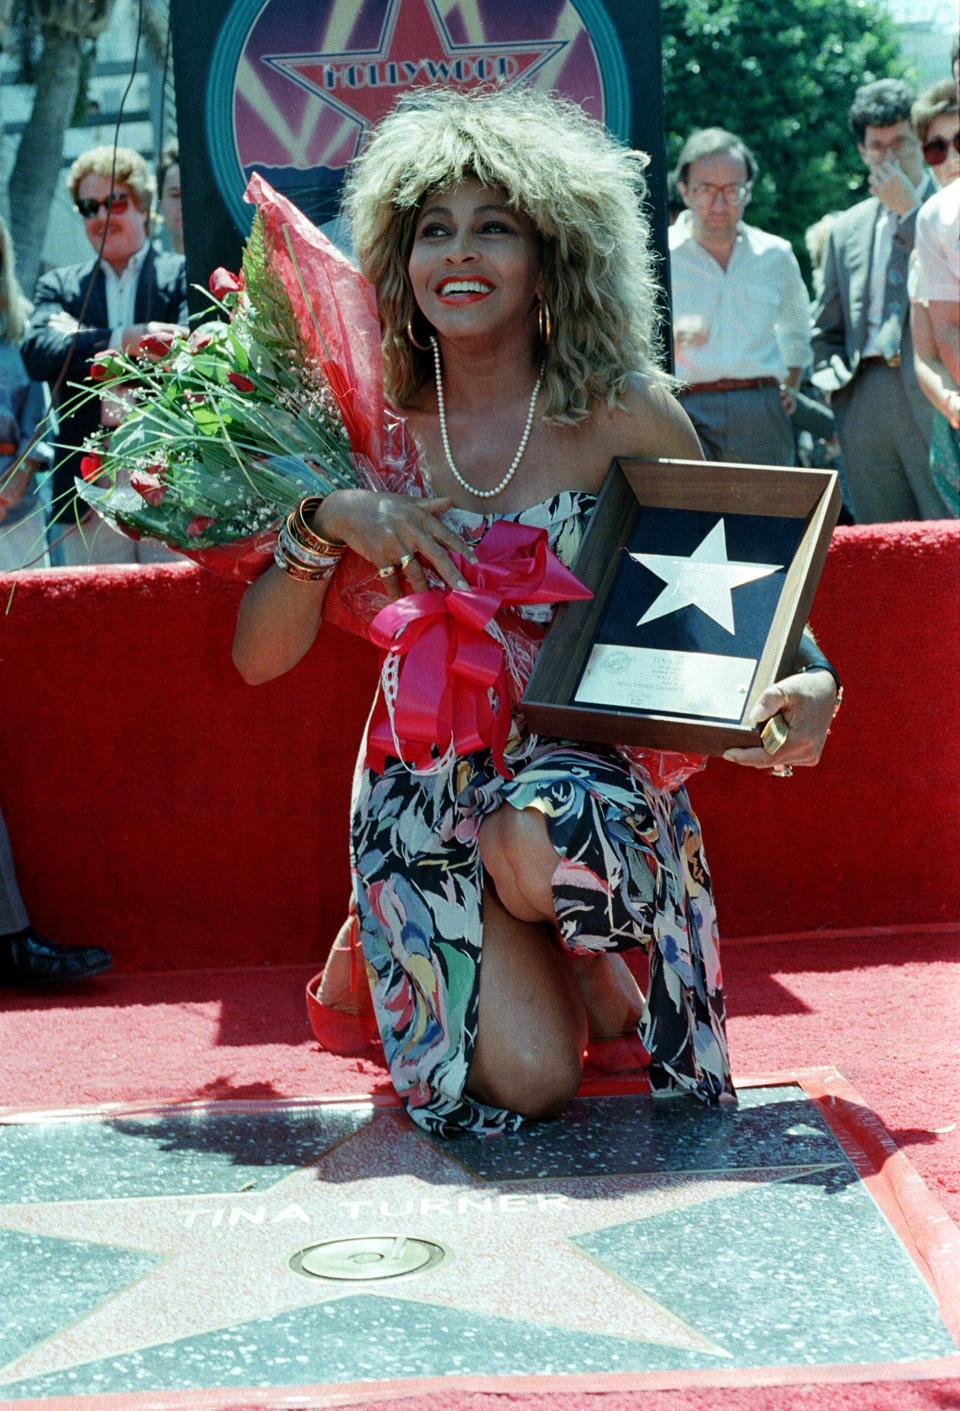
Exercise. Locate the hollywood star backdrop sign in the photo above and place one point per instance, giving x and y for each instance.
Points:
(288, 88)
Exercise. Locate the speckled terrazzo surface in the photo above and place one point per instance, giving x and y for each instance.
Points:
(154, 1252)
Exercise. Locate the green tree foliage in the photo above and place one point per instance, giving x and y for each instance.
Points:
(781, 74)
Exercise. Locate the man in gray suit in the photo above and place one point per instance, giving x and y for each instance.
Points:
(862, 354)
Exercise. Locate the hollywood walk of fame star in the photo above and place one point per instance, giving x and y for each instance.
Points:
(225, 1259)
(705, 579)
(415, 47)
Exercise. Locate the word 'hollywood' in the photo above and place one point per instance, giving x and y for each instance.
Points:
(513, 1203)
(390, 73)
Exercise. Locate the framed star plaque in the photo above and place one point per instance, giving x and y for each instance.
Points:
(702, 577)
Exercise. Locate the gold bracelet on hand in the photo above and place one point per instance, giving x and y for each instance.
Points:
(302, 531)
(299, 569)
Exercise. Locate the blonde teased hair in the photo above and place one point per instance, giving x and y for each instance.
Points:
(583, 193)
(14, 308)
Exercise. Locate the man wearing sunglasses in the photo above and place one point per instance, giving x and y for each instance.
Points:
(127, 290)
(863, 357)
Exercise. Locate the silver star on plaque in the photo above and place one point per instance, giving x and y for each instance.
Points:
(705, 579)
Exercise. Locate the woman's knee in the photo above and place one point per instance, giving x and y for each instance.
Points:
(535, 1080)
(516, 851)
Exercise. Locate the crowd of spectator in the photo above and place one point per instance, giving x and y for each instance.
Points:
(851, 378)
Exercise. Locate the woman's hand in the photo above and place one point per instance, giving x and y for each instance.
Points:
(394, 530)
(806, 701)
(951, 409)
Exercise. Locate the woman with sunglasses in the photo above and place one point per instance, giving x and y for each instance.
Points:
(935, 283)
(936, 117)
(127, 289)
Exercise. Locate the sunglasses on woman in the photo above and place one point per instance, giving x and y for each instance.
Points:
(88, 206)
(937, 150)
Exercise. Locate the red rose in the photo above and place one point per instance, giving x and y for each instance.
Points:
(101, 369)
(90, 466)
(149, 486)
(198, 525)
(242, 384)
(153, 345)
(201, 339)
(222, 283)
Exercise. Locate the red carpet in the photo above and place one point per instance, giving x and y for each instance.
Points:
(884, 1009)
(885, 1013)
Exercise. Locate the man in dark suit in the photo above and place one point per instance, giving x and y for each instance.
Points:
(862, 354)
(126, 292)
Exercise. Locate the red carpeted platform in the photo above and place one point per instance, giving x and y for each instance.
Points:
(196, 826)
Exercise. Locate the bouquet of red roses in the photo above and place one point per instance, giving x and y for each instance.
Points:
(224, 429)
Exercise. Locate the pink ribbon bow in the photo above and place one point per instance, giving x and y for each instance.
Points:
(450, 662)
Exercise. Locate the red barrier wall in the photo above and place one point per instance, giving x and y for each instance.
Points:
(161, 807)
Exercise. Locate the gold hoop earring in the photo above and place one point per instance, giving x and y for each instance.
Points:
(424, 347)
(544, 323)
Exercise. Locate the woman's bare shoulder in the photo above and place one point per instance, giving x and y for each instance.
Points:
(648, 420)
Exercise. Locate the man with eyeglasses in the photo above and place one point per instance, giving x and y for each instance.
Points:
(863, 357)
(128, 290)
(741, 318)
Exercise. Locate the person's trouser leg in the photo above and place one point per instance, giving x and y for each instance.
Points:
(877, 433)
(706, 413)
(748, 426)
(24, 544)
(13, 913)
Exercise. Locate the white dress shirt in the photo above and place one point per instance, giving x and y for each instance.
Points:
(756, 312)
(121, 292)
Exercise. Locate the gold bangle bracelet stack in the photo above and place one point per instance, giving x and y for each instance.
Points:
(300, 551)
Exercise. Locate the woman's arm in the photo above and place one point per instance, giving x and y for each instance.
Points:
(280, 616)
(933, 376)
(278, 621)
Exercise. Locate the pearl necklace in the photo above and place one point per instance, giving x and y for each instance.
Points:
(502, 485)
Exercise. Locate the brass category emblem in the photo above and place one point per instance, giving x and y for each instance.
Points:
(367, 1258)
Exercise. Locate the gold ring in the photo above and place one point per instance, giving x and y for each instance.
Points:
(407, 558)
(782, 771)
(774, 734)
(388, 570)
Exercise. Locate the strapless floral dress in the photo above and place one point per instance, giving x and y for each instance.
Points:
(631, 873)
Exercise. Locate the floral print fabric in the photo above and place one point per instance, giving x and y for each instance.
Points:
(631, 872)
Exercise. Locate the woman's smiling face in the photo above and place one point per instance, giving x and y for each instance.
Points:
(475, 263)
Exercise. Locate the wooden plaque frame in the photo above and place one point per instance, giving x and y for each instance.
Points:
(812, 496)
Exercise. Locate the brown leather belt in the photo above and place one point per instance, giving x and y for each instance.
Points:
(729, 384)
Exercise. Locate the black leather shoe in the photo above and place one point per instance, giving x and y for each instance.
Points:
(27, 958)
